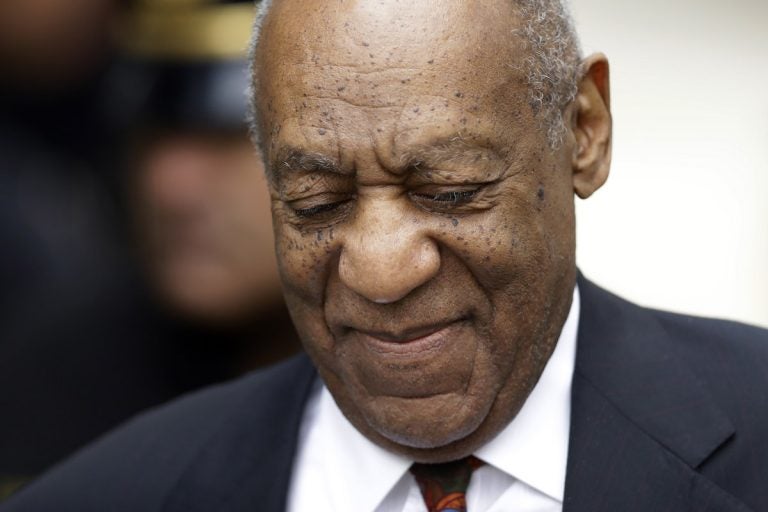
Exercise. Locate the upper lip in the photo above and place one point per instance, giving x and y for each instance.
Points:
(408, 334)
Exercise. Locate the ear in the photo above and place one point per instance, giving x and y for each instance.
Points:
(592, 127)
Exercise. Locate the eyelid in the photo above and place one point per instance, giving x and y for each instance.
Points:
(464, 197)
(462, 192)
(448, 177)
(318, 206)
(317, 209)
(434, 188)
(309, 185)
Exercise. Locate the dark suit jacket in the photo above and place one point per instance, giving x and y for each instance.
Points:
(670, 413)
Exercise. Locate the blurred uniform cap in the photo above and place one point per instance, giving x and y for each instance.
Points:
(183, 64)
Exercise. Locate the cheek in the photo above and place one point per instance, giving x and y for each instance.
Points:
(305, 259)
(502, 246)
(518, 253)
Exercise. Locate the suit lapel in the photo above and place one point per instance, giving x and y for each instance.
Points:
(641, 422)
(247, 463)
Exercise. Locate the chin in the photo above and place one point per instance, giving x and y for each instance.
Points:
(426, 438)
(426, 429)
(436, 450)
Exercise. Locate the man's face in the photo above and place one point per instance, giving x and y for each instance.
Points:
(203, 219)
(424, 227)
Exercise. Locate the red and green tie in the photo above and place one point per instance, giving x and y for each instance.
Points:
(444, 486)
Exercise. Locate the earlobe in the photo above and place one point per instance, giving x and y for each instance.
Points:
(592, 127)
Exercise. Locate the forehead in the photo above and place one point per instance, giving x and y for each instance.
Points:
(318, 28)
(388, 73)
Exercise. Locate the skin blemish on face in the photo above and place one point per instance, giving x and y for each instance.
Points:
(540, 193)
(459, 94)
(455, 222)
(321, 131)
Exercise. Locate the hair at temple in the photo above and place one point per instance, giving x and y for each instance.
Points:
(552, 63)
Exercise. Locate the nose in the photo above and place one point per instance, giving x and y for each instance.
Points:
(385, 257)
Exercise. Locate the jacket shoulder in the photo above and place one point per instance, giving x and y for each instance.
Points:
(137, 465)
(711, 345)
(696, 386)
(730, 359)
(734, 338)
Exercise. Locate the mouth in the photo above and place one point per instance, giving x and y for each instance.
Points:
(410, 342)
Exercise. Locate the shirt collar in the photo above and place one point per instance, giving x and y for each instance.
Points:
(533, 448)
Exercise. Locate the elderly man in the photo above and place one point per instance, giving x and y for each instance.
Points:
(422, 160)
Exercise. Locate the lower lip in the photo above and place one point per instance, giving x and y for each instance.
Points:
(423, 345)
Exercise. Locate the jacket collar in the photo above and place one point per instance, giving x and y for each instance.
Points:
(641, 421)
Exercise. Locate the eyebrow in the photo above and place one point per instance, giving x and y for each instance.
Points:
(454, 149)
(292, 159)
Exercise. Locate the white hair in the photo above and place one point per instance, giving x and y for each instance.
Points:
(552, 64)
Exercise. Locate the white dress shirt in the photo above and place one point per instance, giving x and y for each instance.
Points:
(337, 469)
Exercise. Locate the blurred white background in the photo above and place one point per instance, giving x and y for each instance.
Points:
(682, 223)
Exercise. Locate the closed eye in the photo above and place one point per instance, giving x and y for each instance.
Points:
(445, 199)
(316, 210)
(452, 197)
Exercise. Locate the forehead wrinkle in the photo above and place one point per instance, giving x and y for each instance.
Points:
(342, 69)
(379, 89)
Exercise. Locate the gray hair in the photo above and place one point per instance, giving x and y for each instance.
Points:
(552, 65)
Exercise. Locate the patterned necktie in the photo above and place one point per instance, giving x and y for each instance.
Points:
(444, 486)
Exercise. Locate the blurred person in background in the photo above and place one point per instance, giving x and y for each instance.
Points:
(196, 187)
(204, 303)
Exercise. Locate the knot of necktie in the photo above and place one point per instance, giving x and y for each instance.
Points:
(444, 486)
